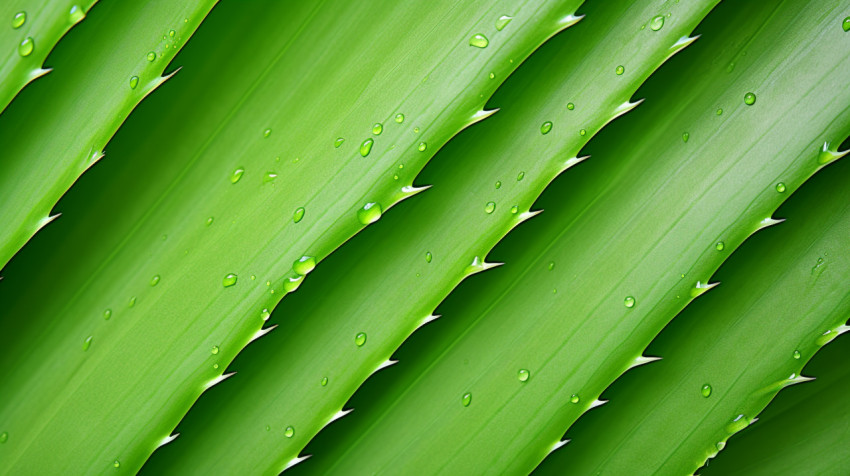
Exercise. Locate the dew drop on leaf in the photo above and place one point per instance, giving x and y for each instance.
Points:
(551, 265)
(498, 184)
(686, 136)
(229, 280)
(514, 209)
(76, 14)
(719, 246)
(369, 213)
(428, 257)
(719, 111)
(210, 221)
(134, 81)
(749, 99)
(292, 283)
(267, 132)
(546, 127)
(324, 381)
(304, 265)
(629, 301)
(422, 147)
(236, 175)
(502, 22)
(269, 177)
(523, 375)
(377, 128)
(620, 70)
(706, 390)
(466, 399)
(4, 437)
(574, 398)
(366, 147)
(360, 339)
(107, 314)
(846, 24)
(737, 424)
(571, 106)
(87, 343)
(154, 280)
(490, 207)
(582, 132)
(298, 215)
(26, 46)
(131, 302)
(338, 142)
(780, 187)
(492, 75)
(214, 350)
(399, 118)
(171, 33)
(520, 176)
(479, 41)
(265, 314)
(289, 432)
(797, 355)
(116, 464)
(656, 23)
(151, 56)
(19, 19)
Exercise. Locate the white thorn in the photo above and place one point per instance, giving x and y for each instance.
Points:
(573, 161)
(569, 20)
(295, 461)
(410, 190)
(626, 107)
(429, 318)
(44, 221)
(529, 214)
(558, 445)
(842, 329)
(642, 359)
(597, 403)
(385, 364)
(481, 115)
(339, 415)
(168, 439)
(682, 43)
(261, 333)
(770, 221)
(218, 380)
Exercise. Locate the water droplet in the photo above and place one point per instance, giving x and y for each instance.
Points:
(749, 99)
(620, 70)
(428, 257)
(171, 33)
(520, 176)
(366, 147)
(269, 177)
(214, 350)
(797, 355)
(685, 137)
(76, 14)
(116, 464)
(338, 142)
(479, 41)
(571, 106)
(289, 432)
(467, 399)
(87, 343)
(490, 207)
(416, 130)
(26, 46)
(155, 280)
(134, 81)
(514, 209)
(551, 265)
(265, 314)
(656, 23)
(151, 56)
(719, 111)
(324, 381)
(719, 246)
(502, 22)
(705, 390)
(523, 375)
(4, 437)
(267, 132)
(377, 128)
(360, 339)
(629, 301)
(131, 302)
(229, 280)
(19, 19)
(492, 75)
(780, 187)
(422, 147)
(236, 175)
(720, 445)
(737, 424)
(210, 221)
(304, 265)
(107, 314)
(574, 398)
(292, 283)
(546, 127)
(498, 184)
(215, 366)
(846, 24)
(369, 213)
(826, 156)
(582, 132)
(298, 215)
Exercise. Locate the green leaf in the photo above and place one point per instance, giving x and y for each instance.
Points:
(30, 29)
(407, 265)
(727, 356)
(58, 128)
(642, 220)
(205, 182)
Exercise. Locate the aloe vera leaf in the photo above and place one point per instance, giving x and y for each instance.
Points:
(161, 265)
(804, 431)
(725, 357)
(397, 286)
(30, 29)
(61, 125)
(642, 220)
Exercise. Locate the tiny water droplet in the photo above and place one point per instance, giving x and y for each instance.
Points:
(76, 14)
(265, 314)
(292, 283)
(268, 428)
(214, 350)
(87, 343)
(780, 187)
(4, 437)
(629, 301)
(719, 246)
(338, 142)
(360, 339)
(706, 390)
(107, 314)
(298, 215)
(797, 355)
(719, 111)
(369, 213)
(656, 23)
(236, 175)
(366, 147)
(324, 381)
(171, 33)
(269, 177)
(490, 207)
(416, 130)
(574, 398)
(155, 280)
(551, 265)
(215, 366)
(502, 22)
(377, 128)
(19, 19)
(210, 221)
(492, 75)
(846, 24)
(229, 280)
(26, 46)
(571, 106)
(422, 147)
(304, 265)
(428, 257)
(498, 184)
(520, 176)
(289, 432)
(479, 41)
(151, 56)
(131, 302)
(523, 375)
(620, 70)
(514, 209)
(582, 132)
(546, 127)
(749, 99)
(737, 424)
(686, 136)
(134, 81)
(466, 399)
(267, 132)
(399, 118)
(116, 464)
